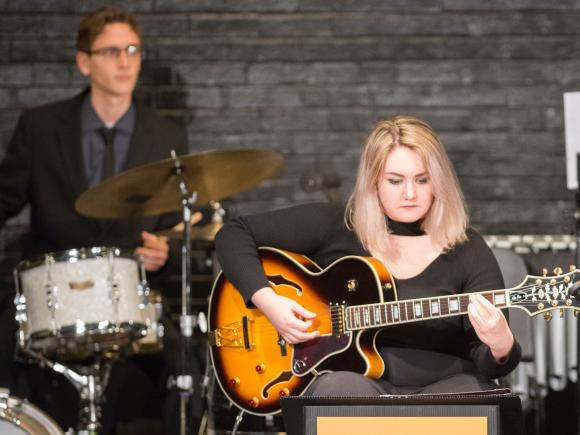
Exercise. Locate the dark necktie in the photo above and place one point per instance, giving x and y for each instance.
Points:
(108, 152)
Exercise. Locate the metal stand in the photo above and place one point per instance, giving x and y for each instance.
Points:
(90, 381)
(184, 380)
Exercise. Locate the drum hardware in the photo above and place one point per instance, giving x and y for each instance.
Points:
(66, 323)
(18, 416)
(152, 342)
(90, 382)
(180, 183)
(91, 309)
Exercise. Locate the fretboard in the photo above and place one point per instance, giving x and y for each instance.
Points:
(414, 310)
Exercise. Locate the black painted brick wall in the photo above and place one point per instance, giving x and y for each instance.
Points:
(310, 77)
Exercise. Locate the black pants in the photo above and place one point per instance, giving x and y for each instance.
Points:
(408, 371)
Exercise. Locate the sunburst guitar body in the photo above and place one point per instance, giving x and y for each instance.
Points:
(255, 367)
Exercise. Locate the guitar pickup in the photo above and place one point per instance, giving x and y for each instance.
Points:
(236, 334)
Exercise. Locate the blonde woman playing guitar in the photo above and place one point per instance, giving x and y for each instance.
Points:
(403, 235)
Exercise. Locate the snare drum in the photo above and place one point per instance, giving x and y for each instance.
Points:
(153, 341)
(18, 417)
(75, 303)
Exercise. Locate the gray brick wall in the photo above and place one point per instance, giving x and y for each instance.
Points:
(310, 77)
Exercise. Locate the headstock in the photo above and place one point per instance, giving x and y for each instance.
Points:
(541, 294)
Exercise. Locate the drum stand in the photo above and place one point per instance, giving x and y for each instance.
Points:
(90, 381)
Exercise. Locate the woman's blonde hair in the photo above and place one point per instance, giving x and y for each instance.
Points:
(446, 221)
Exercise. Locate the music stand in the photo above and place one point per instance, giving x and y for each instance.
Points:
(502, 410)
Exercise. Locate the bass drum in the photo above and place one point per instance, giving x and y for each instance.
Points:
(18, 417)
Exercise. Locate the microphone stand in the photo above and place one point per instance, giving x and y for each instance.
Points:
(187, 322)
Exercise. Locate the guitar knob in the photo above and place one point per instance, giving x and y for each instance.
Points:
(254, 402)
(261, 368)
(548, 316)
(284, 392)
(558, 271)
(235, 382)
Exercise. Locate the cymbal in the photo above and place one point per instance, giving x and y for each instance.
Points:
(153, 189)
(203, 233)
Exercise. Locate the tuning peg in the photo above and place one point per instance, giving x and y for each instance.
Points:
(572, 268)
(561, 313)
(558, 271)
(544, 272)
(548, 316)
(568, 302)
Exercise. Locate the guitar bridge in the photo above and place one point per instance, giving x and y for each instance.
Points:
(236, 334)
(337, 318)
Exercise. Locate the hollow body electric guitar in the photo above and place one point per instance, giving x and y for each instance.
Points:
(353, 298)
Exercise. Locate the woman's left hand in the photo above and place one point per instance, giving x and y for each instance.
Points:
(491, 326)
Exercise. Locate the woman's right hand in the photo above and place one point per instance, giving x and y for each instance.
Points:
(289, 318)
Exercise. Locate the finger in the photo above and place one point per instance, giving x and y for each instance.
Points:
(150, 253)
(153, 241)
(474, 315)
(485, 305)
(303, 312)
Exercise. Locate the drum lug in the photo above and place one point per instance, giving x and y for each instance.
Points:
(143, 291)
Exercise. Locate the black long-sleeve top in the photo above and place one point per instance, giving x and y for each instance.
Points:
(319, 232)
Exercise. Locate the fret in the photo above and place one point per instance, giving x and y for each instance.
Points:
(426, 311)
(377, 315)
(435, 309)
(463, 303)
(453, 305)
(444, 305)
(499, 299)
(390, 315)
(366, 316)
(396, 313)
(409, 310)
(417, 309)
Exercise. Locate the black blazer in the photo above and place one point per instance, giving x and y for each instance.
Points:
(44, 167)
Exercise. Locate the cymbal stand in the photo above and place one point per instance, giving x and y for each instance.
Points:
(90, 381)
(184, 380)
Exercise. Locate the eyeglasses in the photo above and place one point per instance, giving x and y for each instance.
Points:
(114, 52)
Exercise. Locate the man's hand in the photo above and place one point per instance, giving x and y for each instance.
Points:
(155, 251)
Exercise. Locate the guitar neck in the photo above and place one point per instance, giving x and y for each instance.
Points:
(414, 310)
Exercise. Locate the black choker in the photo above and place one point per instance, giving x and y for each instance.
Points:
(405, 228)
